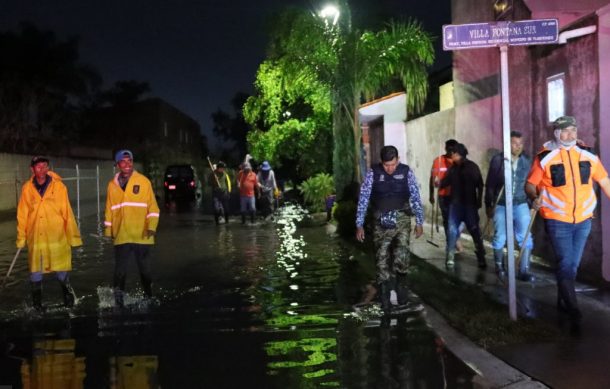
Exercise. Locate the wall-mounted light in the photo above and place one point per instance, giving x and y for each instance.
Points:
(503, 9)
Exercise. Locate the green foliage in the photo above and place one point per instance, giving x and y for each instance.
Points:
(316, 189)
(344, 66)
(291, 121)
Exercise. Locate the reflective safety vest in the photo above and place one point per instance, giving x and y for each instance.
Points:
(130, 212)
(440, 166)
(564, 179)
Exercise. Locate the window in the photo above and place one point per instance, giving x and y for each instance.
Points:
(555, 90)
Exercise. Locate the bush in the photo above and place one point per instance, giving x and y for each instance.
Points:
(316, 189)
(345, 215)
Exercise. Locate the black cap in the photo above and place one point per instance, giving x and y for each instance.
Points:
(38, 159)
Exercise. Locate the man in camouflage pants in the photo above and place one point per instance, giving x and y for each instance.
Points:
(392, 189)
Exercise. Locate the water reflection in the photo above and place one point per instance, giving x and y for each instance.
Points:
(134, 372)
(53, 365)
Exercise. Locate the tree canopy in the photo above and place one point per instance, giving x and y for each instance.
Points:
(341, 67)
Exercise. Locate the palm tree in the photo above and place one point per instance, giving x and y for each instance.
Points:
(355, 65)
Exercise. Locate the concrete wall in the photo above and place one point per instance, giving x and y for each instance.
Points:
(15, 170)
(426, 138)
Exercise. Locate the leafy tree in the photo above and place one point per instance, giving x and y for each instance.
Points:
(353, 65)
(291, 121)
(43, 88)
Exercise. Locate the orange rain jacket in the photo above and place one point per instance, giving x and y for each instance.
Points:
(440, 166)
(564, 179)
(48, 226)
(131, 212)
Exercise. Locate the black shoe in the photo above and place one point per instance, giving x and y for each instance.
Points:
(567, 299)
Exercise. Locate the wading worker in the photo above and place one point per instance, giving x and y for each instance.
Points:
(131, 219)
(221, 192)
(46, 223)
(495, 205)
(560, 184)
(392, 189)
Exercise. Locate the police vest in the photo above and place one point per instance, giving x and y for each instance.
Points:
(390, 191)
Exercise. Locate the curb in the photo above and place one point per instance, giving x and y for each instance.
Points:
(491, 372)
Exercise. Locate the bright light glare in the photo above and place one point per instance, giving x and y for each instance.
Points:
(330, 11)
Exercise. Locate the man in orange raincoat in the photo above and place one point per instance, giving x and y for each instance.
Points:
(46, 223)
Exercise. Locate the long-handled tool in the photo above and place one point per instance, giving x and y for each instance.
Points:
(214, 174)
(533, 214)
(493, 205)
(10, 269)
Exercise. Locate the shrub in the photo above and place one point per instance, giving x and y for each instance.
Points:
(315, 190)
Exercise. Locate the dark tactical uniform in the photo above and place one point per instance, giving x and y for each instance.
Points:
(390, 197)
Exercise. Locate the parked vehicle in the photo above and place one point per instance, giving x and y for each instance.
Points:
(181, 183)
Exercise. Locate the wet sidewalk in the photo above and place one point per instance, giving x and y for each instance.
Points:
(578, 359)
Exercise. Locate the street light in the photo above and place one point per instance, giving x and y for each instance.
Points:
(330, 12)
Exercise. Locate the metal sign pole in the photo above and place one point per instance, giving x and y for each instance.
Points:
(508, 184)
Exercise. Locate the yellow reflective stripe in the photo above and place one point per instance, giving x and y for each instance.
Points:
(128, 204)
(152, 214)
(107, 224)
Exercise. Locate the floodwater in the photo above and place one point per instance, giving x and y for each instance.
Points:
(267, 305)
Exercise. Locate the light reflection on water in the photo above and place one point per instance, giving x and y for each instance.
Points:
(235, 306)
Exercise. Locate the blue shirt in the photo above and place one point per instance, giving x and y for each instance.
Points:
(365, 195)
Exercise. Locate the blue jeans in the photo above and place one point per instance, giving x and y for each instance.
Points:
(521, 219)
(37, 276)
(469, 215)
(568, 241)
(247, 204)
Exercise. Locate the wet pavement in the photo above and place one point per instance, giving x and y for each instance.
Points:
(579, 358)
(237, 306)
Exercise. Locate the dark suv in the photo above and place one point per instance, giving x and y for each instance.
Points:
(181, 183)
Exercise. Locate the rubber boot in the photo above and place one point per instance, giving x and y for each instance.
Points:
(402, 297)
(450, 258)
(243, 218)
(524, 266)
(567, 294)
(499, 261)
(252, 215)
(226, 217)
(119, 292)
(37, 296)
(400, 287)
(68, 292)
(480, 253)
(216, 218)
(147, 287)
(385, 289)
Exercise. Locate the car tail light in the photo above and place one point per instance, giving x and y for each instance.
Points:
(165, 184)
(192, 184)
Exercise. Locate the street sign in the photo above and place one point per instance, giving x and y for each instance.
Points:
(492, 34)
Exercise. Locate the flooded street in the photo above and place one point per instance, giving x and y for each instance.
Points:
(237, 306)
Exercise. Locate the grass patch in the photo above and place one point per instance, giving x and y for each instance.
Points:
(473, 312)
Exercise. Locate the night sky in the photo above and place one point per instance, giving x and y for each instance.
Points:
(196, 54)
